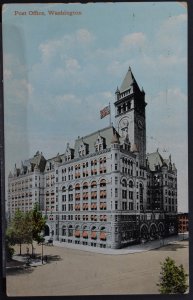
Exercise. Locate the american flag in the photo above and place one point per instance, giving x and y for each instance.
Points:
(105, 111)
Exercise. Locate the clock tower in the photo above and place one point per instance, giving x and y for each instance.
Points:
(130, 114)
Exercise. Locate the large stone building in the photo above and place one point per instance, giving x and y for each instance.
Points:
(105, 192)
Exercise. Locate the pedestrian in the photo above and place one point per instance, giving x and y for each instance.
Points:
(46, 258)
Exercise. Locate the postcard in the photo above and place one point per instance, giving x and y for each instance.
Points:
(96, 150)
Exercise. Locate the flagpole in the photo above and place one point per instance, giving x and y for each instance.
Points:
(110, 113)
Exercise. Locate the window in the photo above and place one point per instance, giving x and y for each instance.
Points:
(102, 183)
(131, 184)
(116, 204)
(124, 205)
(64, 230)
(124, 194)
(70, 207)
(70, 197)
(131, 195)
(70, 231)
(85, 185)
(70, 188)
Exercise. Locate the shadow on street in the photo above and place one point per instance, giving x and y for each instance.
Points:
(171, 247)
(49, 259)
(20, 269)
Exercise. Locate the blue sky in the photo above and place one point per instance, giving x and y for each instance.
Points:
(59, 71)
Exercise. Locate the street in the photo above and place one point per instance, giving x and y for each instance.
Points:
(74, 272)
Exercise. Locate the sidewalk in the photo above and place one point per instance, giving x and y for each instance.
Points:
(127, 250)
(20, 261)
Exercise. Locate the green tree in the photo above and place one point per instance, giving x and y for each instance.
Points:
(26, 227)
(37, 225)
(8, 249)
(173, 279)
(18, 231)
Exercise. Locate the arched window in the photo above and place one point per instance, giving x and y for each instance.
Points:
(102, 183)
(93, 233)
(124, 183)
(70, 230)
(153, 231)
(77, 231)
(63, 189)
(85, 185)
(103, 236)
(93, 184)
(70, 188)
(144, 232)
(77, 187)
(131, 184)
(85, 232)
(64, 230)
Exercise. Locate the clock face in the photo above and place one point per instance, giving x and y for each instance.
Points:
(124, 123)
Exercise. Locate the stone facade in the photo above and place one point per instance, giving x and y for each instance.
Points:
(105, 192)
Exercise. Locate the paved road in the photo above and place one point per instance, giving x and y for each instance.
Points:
(75, 272)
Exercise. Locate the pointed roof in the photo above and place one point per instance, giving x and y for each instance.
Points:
(154, 159)
(10, 175)
(128, 81)
(38, 160)
(115, 139)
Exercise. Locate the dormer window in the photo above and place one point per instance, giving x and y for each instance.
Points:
(68, 153)
(100, 143)
(83, 149)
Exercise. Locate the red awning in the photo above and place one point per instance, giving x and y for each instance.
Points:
(93, 235)
(77, 233)
(85, 234)
(103, 236)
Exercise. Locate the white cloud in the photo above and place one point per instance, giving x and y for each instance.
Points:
(107, 95)
(172, 35)
(68, 98)
(83, 36)
(173, 23)
(59, 47)
(135, 39)
(72, 65)
(18, 91)
(166, 60)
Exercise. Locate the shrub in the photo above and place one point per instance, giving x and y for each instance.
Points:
(173, 279)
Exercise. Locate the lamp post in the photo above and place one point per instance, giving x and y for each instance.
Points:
(42, 252)
(42, 242)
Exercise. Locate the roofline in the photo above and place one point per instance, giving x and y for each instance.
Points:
(95, 132)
